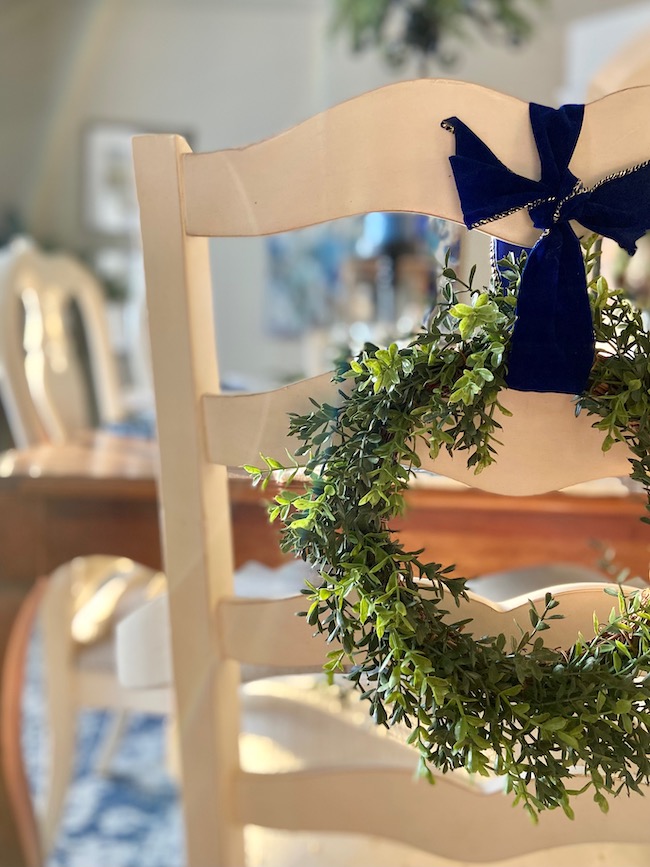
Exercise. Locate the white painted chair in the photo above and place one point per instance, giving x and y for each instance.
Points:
(41, 375)
(76, 608)
(382, 151)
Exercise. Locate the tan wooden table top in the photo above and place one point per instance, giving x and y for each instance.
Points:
(93, 455)
(103, 461)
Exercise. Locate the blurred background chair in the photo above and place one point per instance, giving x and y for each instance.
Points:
(78, 610)
(47, 390)
(73, 610)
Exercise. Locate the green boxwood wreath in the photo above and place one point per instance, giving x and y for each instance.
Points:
(513, 708)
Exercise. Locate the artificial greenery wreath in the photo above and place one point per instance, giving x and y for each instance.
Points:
(517, 709)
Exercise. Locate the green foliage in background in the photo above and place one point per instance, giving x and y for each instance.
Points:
(426, 29)
(514, 708)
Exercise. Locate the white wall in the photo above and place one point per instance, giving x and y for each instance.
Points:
(229, 72)
(32, 43)
(592, 41)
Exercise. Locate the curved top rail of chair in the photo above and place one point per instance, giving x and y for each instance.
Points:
(386, 151)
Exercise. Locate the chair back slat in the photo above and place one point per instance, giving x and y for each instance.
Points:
(25, 423)
(544, 447)
(486, 828)
(241, 427)
(267, 632)
(75, 283)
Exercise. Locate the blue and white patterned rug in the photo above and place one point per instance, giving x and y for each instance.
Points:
(129, 817)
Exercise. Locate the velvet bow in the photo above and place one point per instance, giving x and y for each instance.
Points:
(552, 346)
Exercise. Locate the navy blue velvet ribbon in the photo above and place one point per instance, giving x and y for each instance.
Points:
(552, 346)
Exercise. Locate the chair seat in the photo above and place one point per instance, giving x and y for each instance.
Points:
(290, 723)
(99, 655)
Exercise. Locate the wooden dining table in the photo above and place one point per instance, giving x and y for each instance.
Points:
(98, 495)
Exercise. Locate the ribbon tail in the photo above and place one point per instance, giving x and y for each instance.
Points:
(552, 345)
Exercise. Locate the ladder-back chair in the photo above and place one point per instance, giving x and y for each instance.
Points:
(384, 151)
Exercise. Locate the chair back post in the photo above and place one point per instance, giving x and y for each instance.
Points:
(36, 350)
(76, 283)
(194, 502)
(25, 424)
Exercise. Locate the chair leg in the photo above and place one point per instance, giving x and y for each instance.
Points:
(60, 704)
(172, 760)
(62, 728)
(111, 741)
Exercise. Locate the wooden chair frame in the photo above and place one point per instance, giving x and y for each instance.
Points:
(382, 151)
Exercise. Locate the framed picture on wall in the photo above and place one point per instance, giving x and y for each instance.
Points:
(109, 205)
(108, 185)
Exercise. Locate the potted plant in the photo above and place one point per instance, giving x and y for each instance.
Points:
(429, 29)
